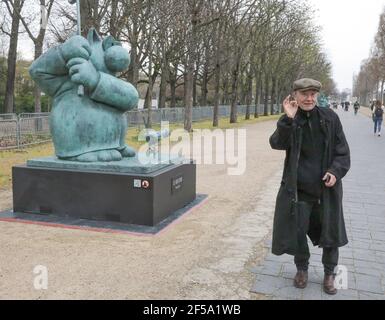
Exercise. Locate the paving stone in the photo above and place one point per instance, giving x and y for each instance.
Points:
(369, 271)
(378, 235)
(269, 285)
(346, 254)
(290, 293)
(377, 220)
(256, 269)
(349, 263)
(312, 292)
(375, 214)
(366, 264)
(365, 245)
(381, 260)
(316, 277)
(271, 268)
(378, 247)
(315, 251)
(289, 270)
(370, 284)
(363, 236)
(376, 227)
(281, 259)
(358, 221)
(379, 253)
(366, 255)
(371, 296)
(352, 210)
(316, 258)
(342, 295)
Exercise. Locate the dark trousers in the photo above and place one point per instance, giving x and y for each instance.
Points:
(312, 211)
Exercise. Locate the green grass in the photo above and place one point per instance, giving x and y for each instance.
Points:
(10, 158)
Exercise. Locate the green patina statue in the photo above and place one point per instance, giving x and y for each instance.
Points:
(323, 101)
(89, 127)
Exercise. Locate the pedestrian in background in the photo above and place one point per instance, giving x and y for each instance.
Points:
(378, 117)
(356, 107)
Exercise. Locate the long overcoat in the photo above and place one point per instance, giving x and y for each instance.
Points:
(331, 232)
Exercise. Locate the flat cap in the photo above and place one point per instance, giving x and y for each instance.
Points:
(307, 84)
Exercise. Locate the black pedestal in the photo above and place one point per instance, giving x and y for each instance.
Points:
(114, 197)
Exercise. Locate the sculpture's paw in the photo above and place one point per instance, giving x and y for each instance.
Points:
(109, 155)
(99, 156)
(128, 152)
(87, 157)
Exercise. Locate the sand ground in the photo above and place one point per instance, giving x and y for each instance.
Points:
(207, 255)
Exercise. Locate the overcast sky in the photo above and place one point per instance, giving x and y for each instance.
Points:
(349, 27)
(348, 31)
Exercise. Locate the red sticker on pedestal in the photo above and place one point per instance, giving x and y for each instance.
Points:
(145, 184)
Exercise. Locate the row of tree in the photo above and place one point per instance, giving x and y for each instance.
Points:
(370, 81)
(195, 52)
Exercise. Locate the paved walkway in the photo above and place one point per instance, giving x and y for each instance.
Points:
(364, 207)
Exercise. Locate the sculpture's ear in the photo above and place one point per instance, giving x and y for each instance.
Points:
(93, 36)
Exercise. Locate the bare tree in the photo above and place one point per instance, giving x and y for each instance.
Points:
(45, 7)
(13, 8)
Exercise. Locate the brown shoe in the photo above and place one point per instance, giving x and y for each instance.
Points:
(300, 280)
(329, 285)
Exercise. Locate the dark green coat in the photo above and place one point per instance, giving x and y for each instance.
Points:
(336, 160)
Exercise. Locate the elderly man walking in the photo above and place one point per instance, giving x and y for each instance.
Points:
(309, 202)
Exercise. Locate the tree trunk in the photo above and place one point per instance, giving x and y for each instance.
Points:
(195, 100)
(234, 94)
(150, 89)
(163, 87)
(205, 80)
(188, 98)
(243, 88)
(133, 70)
(272, 95)
(191, 59)
(12, 57)
(173, 79)
(258, 90)
(85, 17)
(152, 77)
(266, 95)
(89, 16)
(217, 73)
(148, 103)
(204, 89)
(113, 19)
(378, 92)
(249, 94)
(217, 77)
(36, 90)
(225, 96)
(95, 15)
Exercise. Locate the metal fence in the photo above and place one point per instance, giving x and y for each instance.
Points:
(26, 129)
(23, 130)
